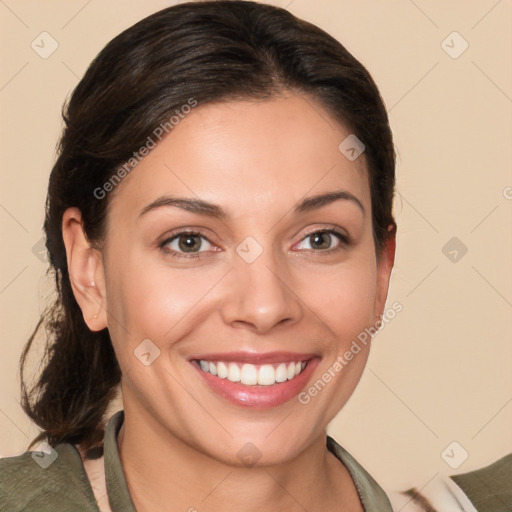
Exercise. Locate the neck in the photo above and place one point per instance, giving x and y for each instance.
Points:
(164, 473)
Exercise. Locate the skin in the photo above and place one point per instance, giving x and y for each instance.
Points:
(256, 160)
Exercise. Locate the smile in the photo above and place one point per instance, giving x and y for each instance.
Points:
(259, 381)
(253, 375)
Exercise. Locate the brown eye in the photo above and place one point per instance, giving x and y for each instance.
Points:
(323, 240)
(187, 243)
(320, 240)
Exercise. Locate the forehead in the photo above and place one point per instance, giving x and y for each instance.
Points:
(247, 155)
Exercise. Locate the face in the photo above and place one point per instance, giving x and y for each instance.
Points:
(238, 268)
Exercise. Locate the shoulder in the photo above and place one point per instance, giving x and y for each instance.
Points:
(50, 480)
(372, 495)
(489, 488)
(485, 489)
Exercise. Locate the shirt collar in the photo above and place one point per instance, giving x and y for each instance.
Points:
(117, 489)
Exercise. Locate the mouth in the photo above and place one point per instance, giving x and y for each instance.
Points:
(256, 380)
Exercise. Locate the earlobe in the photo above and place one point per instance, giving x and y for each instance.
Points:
(86, 272)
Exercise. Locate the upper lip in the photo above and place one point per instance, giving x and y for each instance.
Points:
(255, 358)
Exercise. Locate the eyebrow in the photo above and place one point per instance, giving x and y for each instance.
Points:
(213, 210)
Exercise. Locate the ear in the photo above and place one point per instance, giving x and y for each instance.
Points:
(385, 262)
(86, 271)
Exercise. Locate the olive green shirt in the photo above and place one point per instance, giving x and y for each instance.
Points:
(489, 488)
(63, 486)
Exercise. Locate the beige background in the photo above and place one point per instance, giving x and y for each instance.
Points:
(441, 370)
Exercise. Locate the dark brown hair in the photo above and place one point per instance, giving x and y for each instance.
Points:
(209, 51)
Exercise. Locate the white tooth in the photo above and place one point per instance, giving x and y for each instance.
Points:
(266, 375)
(291, 371)
(222, 370)
(281, 373)
(233, 372)
(249, 375)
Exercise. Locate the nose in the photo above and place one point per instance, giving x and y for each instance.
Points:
(260, 296)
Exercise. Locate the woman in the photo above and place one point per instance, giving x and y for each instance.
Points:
(219, 220)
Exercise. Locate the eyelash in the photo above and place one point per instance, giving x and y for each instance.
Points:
(343, 238)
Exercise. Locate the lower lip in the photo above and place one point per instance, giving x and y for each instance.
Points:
(260, 397)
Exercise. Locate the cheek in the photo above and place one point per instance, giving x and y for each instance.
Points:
(153, 302)
(343, 298)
